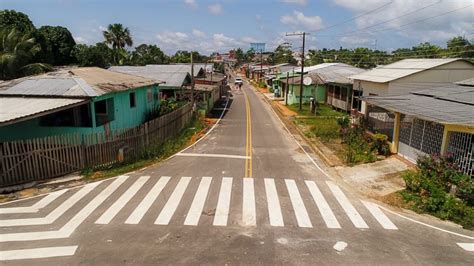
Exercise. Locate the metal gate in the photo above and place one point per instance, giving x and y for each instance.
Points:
(418, 137)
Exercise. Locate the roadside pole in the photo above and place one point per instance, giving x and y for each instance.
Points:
(287, 88)
(192, 81)
(302, 65)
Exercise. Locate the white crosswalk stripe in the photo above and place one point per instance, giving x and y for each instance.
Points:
(146, 203)
(70, 226)
(277, 207)
(223, 203)
(173, 202)
(323, 206)
(274, 209)
(346, 205)
(301, 214)
(197, 206)
(379, 215)
(45, 201)
(249, 216)
(37, 253)
(55, 214)
(122, 201)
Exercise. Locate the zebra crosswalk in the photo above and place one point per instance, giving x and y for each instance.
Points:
(187, 200)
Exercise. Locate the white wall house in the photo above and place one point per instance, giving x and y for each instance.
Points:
(409, 75)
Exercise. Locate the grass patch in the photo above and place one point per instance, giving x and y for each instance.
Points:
(153, 154)
(323, 110)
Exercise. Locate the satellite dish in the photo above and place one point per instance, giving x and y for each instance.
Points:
(307, 81)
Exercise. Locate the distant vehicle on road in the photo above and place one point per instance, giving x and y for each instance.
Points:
(238, 81)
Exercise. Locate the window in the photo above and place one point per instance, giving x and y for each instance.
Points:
(79, 116)
(149, 95)
(133, 102)
(104, 111)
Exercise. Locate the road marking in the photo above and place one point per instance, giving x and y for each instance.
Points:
(466, 246)
(107, 216)
(298, 206)
(37, 253)
(56, 213)
(170, 207)
(146, 203)
(70, 226)
(223, 203)
(425, 224)
(248, 138)
(274, 208)
(383, 220)
(249, 216)
(323, 206)
(195, 211)
(351, 212)
(37, 206)
(213, 155)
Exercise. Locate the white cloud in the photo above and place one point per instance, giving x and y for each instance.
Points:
(80, 39)
(215, 9)
(298, 2)
(191, 3)
(170, 39)
(355, 40)
(247, 39)
(437, 30)
(298, 19)
(198, 33)
(102, 28)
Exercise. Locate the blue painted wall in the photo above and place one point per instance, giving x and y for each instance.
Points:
(124, 116)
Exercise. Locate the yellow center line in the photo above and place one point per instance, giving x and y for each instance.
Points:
(248, 146)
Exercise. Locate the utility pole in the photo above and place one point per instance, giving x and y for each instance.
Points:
(302, 65)
(287, 87)
(192, 81)
(261, 65)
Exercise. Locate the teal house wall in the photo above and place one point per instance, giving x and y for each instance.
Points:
(118, 108)
(319, 92)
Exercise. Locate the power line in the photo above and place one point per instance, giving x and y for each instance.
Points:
(383, 22)
(356, 17)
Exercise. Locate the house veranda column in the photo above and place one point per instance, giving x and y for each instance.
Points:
(396, 133)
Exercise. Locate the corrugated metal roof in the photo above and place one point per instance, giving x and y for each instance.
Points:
(14, 108)
(453, 105)
(79, 82)
(169, 75)
(401, 69)
(331, 73)
(466, 82)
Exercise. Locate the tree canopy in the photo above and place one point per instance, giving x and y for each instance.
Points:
(118, 36)
(57, 45)
(18, 20)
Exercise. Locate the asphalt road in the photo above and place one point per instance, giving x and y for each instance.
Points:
(245, 194)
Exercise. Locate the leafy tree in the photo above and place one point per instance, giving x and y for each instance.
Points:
(182, 56)
(282, 54)
(18, 20)
(57, 44)
(93, 55)
(460, 47)
(250, 55)
(17, 51)
(118, 36)
(426, 50)
(149, 54)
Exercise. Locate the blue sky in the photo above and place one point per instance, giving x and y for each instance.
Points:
(219, 25)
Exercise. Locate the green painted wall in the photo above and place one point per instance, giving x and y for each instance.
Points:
(124, 117)
(319, 92)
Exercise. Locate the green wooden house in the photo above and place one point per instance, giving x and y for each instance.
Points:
(81, 100)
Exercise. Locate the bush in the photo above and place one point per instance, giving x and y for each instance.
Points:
(358, 148)
(380, 144)
(441, 189)
(325, 129)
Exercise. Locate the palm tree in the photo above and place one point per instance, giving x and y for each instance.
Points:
(17, 51)
(118, 36)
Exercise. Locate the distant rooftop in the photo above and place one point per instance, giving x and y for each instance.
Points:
(402, 69)
(330, 73)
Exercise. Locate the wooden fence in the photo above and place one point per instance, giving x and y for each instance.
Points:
(42, 158)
